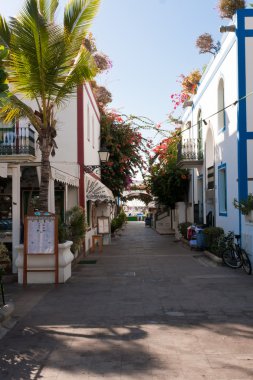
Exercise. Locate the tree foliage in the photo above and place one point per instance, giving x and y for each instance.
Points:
(205, 44)
(167, 182)
(46, 62)
(3, 75)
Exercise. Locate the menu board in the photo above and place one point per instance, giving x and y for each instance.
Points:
(103, 225)
(41, 235)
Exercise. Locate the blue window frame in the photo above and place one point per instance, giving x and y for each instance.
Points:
(222, 189)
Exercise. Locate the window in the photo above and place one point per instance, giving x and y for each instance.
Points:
(88, 122)
(222, 189)
(221, 106)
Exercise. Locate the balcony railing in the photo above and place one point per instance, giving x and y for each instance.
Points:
(190, 153)
(20, 141)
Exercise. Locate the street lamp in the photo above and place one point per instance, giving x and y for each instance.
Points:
(104, 155)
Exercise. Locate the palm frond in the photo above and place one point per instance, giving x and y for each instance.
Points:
(16, 109)
(29, 47)
(83, 70)
(5, 33)
(78, 16)
(52, 9)
(48, 8)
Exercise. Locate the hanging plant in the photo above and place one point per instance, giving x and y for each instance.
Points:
(227, 8)
(245, 206)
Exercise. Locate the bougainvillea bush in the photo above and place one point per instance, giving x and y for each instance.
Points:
(189, 84)
(126, 148)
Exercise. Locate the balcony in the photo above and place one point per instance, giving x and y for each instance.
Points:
(190, 154)
(17, 144)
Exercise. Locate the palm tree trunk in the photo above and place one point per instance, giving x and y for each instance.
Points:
(45, 148)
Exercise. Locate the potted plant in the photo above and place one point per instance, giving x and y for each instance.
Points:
(4, 262)
(75, 228)
(245, 206)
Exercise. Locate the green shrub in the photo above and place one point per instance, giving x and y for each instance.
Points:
(62, 231)
(212, 235)
(118, 221)
(183, 228)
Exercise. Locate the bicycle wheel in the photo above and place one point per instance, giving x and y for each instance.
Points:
(246, 262)
(231, 258)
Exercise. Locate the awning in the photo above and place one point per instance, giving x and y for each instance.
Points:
(65, 173)
(96, 191)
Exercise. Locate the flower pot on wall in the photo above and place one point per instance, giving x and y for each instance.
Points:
(45, 262)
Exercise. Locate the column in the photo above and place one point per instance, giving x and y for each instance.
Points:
(51, 196)
(16, 206)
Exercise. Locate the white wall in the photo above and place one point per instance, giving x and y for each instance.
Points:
(91, 129)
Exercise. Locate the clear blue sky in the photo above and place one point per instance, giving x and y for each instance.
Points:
(151, 42)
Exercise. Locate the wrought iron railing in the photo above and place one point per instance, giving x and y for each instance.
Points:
(17, 141)
(190, 150)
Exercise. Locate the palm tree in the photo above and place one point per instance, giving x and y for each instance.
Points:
(45, 64)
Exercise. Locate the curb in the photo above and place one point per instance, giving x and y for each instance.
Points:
(210, 255)
(213, 257)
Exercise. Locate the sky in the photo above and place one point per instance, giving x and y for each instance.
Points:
(150, 43)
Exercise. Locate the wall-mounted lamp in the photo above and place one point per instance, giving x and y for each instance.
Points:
(229, 28)
(204, 121)
(104, 155)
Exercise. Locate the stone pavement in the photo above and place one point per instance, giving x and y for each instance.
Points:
(148, 309)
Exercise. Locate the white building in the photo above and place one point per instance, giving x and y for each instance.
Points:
(78, 141)
(217, 138)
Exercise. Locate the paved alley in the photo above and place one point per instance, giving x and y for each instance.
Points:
(149, 308)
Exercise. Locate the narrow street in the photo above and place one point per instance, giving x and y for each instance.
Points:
(149, 308)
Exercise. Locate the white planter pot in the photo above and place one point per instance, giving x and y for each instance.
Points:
(249, 217)
(45, 262)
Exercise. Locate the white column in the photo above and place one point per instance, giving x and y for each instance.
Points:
(51, 196)
(16, 206)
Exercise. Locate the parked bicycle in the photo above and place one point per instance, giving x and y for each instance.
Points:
(233, 255)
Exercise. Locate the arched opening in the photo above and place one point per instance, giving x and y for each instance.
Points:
(221, 106)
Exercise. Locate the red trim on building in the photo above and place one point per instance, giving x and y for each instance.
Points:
(80, 143)
(92, 102)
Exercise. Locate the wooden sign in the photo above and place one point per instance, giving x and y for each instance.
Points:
(103, 225)
(41, 238)
(40, 235)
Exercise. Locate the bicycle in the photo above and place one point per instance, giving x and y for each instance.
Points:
(233, 255)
